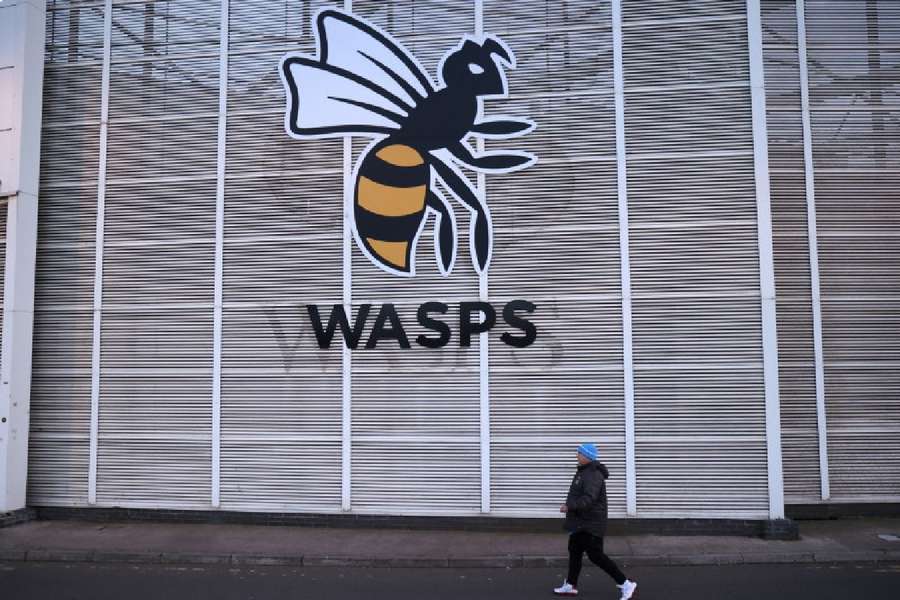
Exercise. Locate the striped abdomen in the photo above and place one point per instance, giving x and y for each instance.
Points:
(389, 203)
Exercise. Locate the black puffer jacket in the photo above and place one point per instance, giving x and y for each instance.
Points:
(587, 499)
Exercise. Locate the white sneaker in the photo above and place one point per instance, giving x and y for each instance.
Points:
(627, 589)
(565, 589)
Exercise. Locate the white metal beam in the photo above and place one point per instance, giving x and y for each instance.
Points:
(624, 260)
(815, 292)
(346, 356)
(766, 262)
(22, 40)
(219, 258)
(484, 389)
(98, 256)
(18, 322)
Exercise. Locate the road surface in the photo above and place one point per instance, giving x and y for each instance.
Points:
(84, 581)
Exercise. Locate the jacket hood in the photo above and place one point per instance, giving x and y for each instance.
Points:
(596, 466)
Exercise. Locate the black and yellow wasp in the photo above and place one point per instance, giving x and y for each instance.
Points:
(365, 83)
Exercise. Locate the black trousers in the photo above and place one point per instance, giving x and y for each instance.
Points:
(583, 541)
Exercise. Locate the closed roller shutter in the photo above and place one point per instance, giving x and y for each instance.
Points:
(855, 110)
(281, 394)
(699, 401)
(557, 246)
(549, 397)
(415, 413)
(797, 375)
(156, 335)
(64, 277)
(416, 424)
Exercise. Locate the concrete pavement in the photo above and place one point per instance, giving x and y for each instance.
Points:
(845, 540)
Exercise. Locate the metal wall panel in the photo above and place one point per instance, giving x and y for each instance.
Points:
(797, 371)
(558, 218)
(851, 59)
(855, 112)
(699, 398)
(416, 415)
(64, 275)
(415, 422)
(156, 327)
(281, 394)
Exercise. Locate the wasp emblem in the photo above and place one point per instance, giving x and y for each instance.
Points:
(364, 83)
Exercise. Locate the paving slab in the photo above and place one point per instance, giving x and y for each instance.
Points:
(859, 540)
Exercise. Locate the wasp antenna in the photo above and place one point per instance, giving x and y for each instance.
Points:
(493, 46)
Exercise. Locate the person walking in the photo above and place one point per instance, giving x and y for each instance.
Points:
(586, 514)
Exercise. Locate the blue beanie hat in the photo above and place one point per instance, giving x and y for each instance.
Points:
(588, 451)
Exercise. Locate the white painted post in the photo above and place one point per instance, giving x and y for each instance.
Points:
(21, 91)
(815, 292)
(766, 263)
(219, 259)
(484, 389)
(18, 321)
(624, 261)
(346, 356)
(98, 256)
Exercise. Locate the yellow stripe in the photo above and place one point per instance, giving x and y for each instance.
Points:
(392, 252)
(400, 155)
(390, 201)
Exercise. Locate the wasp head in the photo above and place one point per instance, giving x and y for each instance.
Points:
(476, 67)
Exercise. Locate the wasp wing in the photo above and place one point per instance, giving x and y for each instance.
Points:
(324, 100)
(352, 45)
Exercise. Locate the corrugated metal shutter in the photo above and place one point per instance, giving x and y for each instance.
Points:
(416, 435)
(855, 110)
(796, 359)
(699, 401)
(64, 278)
(281, 394)
(415, 413)
(156, 336)
(557, 246)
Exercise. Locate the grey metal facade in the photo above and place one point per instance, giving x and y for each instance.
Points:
(181, 232)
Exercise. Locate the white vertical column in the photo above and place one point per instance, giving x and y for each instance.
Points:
(18, 322)
(484, 393)
(21, 89)
(624, 260)
(98, 256)
(219, 259)
(766, 262)
(346, 356)
(809, 176)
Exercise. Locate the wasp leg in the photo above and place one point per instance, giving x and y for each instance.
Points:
(444, 232)
(502, 127)
(481, 226)
(489, 162)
